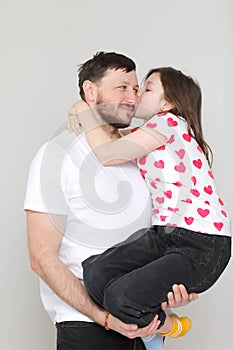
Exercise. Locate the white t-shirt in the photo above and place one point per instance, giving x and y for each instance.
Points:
(103, 205)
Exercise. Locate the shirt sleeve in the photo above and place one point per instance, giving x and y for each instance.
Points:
(45, 190)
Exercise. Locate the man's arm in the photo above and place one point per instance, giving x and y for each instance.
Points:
(44, 238)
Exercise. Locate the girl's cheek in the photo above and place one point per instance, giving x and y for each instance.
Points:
(141, 97)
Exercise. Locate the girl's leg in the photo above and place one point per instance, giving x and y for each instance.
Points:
(136, 297)
(138, 250)
(153, 343)
(193, 259)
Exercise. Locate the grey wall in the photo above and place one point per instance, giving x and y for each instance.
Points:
(41, 44)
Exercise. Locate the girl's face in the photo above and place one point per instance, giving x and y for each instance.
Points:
(151, 98)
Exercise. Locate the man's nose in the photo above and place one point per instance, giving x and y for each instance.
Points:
(132, 97)
(140, 92)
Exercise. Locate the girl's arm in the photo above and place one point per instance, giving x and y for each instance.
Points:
(116, 151)
(124, 132)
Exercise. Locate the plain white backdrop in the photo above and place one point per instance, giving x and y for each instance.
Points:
(42, 42)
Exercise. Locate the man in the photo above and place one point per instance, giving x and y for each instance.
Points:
(77, 208)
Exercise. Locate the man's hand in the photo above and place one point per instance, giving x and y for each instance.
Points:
(132, 330)
(178, 297)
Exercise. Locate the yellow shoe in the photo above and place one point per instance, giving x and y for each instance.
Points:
(181, 326)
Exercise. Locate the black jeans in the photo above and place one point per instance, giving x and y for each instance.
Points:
(132, 279)
(90, 336)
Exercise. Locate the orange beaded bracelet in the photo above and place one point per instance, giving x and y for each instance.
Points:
(106, 321)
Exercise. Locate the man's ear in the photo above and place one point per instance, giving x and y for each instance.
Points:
(90, 91)
(166, 106)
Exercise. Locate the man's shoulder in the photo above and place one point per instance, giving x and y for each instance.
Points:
(62, 142)
(58, 146)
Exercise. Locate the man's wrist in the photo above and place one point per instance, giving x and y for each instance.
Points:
(100, 317)
(107, 313)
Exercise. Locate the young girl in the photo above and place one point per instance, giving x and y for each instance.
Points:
(189, 241)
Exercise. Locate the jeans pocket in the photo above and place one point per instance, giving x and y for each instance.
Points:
(197, 246)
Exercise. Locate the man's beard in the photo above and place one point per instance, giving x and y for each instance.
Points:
(111, 114)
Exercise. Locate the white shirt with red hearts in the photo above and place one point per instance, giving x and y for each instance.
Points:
(180, 181)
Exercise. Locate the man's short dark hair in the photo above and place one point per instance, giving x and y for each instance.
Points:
(96, 68)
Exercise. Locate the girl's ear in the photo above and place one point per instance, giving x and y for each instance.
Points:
(90, 91)
(166, 106)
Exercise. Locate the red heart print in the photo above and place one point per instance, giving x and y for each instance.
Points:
(171, 139)
(156, 211)
(177, 183)
(151, 125)
(180, 167)
(171, 122)
(163, 218)
(143, 173)
(221, 202)
(160, 200)
(161, 114)
(194, 180)
(168, 194)
(197, 163)
(157, 179)
(211, 174)
(153, 184)
(174, 210)
(142, 160)
(159, 164)
(203, 212)
(208, 189)
(188, 220)
(195, 192)
(180, 153)
(174, 225)
(161, 148)
(134, 129)
(188, 200)
(224, 213)
(207, 202)
(218, 225)
(187, 137)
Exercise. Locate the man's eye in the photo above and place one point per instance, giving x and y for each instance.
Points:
(123, 87)
(147, 89)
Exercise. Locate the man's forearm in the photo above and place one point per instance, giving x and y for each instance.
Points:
(68, 287)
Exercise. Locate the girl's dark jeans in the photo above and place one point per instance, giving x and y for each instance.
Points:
(132, 279)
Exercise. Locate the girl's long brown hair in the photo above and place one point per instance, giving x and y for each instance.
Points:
(185, 94)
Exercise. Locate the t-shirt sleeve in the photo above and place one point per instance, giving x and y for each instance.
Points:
(46, 185)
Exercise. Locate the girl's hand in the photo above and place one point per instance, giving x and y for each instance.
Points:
(72, 124)
(178, 297)
(78, 107)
